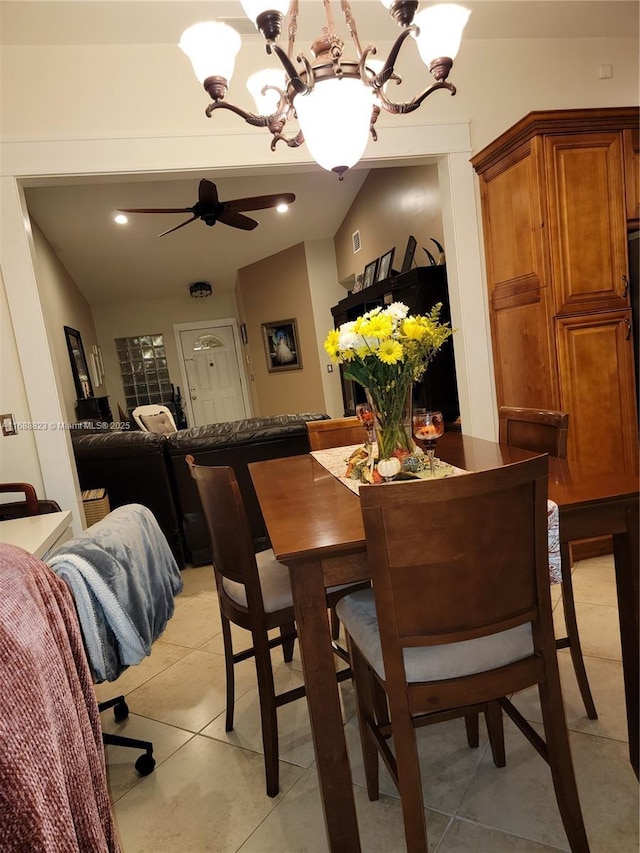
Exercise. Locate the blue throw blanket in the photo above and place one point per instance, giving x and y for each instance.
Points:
(123, 578)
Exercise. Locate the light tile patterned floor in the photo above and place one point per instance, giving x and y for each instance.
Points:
(207, 792)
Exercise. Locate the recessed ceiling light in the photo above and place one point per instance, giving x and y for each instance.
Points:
(282, 208)
(121, 219)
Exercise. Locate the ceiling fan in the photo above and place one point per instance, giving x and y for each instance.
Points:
(210, 209)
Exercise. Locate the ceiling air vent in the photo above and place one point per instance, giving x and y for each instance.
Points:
(243, 26)
(355, 240)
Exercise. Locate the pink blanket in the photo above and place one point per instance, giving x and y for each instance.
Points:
(53, 789)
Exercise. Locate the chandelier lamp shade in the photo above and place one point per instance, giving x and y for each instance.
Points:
(336, 100)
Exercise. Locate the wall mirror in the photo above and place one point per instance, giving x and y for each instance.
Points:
(79, 368)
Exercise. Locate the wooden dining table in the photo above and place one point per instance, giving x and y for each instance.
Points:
(315, 527)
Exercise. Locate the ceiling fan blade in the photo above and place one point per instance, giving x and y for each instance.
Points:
(155, 209)
(207, 192)
(182, 224)
(237, 220)
(260, 202)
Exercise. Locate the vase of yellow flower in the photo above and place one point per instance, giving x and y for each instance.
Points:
(386, 350)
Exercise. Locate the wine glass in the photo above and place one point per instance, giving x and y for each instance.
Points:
(427, 429)
(365, 415)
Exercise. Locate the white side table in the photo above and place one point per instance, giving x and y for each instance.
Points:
(37, 534)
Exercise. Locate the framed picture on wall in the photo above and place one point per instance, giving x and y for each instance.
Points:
(281, 345)
(79, 366)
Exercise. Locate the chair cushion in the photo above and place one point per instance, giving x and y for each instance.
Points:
(159, 423)
(357, 612)
(274, 581)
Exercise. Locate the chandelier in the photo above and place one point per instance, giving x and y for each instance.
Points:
(336, 100)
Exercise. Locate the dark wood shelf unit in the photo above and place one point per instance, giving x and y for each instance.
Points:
(419, 289)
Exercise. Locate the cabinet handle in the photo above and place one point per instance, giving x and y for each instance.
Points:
(626, 287)
(628, 330)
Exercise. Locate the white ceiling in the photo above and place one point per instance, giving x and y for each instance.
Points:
(119, 263)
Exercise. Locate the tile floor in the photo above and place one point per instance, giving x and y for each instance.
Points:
(207, 792)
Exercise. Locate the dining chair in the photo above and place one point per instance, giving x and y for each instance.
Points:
(28, 506)
(254, 593)
(155, 418)
(459, 618)
(335, 432)
(546, 431)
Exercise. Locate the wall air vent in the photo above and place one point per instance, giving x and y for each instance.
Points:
(355, 240)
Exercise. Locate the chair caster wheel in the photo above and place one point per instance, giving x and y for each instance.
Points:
(121, 712)
(145, 764)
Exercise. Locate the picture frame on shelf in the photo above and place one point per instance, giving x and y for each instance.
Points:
(370, 273)
(281, 345)
(385, 265)
(409, 252)
(358, 283)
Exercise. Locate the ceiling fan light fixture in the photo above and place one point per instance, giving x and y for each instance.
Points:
(200, 289)
(330, 93)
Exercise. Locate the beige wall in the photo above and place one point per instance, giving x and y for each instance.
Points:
(153, 317)
(392, 204)
(106, 91)
(63, 305)
(18, 455)
(277, 288)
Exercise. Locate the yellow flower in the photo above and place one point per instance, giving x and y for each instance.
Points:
(390, 351)
(331, 345)
(414, 328)
(380, 326)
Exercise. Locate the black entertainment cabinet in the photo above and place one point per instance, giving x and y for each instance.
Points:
(419, 289)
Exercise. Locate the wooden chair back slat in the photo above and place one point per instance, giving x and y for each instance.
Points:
(336, 432)
(541, 430)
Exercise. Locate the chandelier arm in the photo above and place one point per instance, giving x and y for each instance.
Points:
(250, 118)
(351, 25)
(292, 29)
(387, 70)
(410, 106)
(292, 141)
(295, 81)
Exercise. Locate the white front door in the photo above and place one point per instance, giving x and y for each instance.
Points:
(214, 387)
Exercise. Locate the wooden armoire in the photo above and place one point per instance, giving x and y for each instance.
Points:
(560, 192)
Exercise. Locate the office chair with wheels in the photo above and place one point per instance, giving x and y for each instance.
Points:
(123, 579)
(31, 506)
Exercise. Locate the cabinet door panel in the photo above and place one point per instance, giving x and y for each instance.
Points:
(512, 214)
(587, 226)
(523, 355)
(597, 382)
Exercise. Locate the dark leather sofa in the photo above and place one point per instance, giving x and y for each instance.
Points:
(142, 467)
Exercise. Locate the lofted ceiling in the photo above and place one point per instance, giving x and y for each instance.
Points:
(119, 263)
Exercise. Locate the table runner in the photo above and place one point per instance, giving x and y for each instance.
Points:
(334, 459)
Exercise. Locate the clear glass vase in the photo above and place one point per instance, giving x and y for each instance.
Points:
(392, 419)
